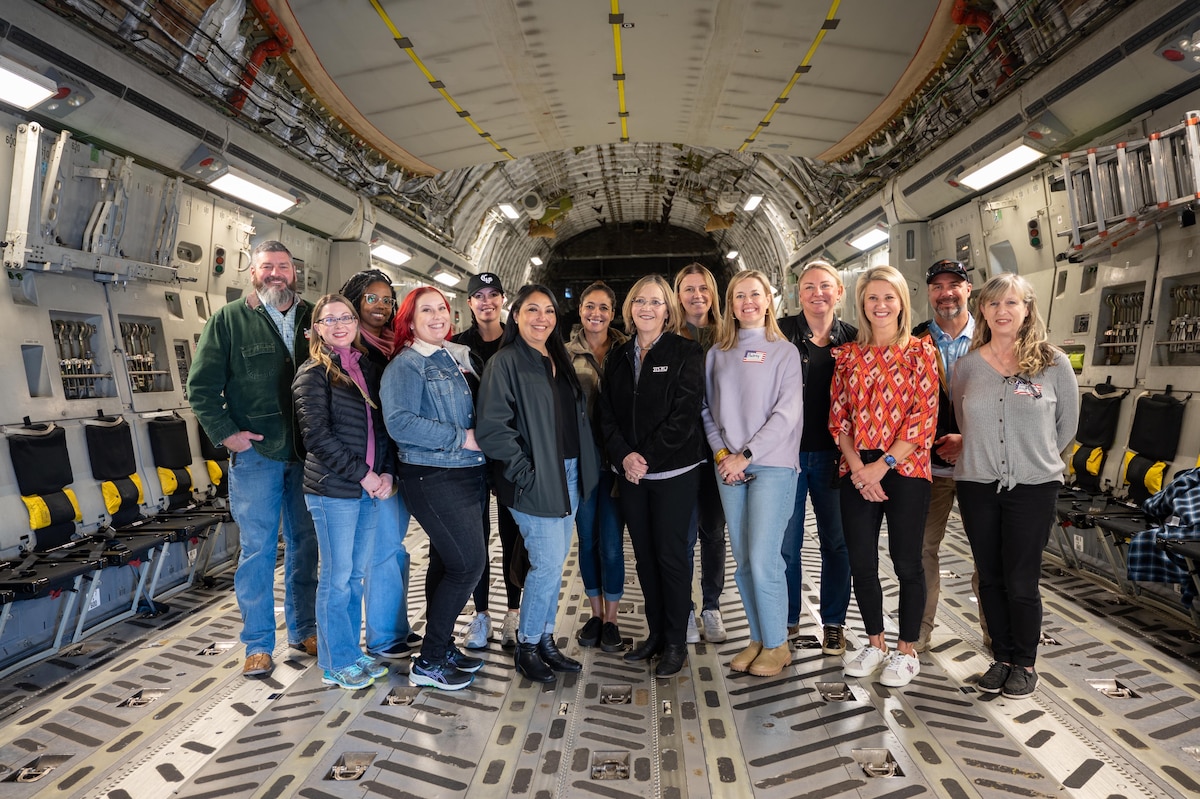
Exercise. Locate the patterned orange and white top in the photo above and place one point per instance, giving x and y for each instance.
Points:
(884, 394)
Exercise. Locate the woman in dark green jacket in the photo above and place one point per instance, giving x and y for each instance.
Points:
(533, 426)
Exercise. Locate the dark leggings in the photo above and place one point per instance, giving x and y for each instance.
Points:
(905, 510)
(509, 533)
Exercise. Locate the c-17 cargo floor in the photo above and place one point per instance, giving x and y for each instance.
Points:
(157, 708)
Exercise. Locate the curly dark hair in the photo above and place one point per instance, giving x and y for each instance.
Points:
(356, 286)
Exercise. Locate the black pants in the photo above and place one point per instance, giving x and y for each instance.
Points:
(905, 510)
(708, 525)
(509, 532)
(1008, 531)
(657, 513)
(446, 503)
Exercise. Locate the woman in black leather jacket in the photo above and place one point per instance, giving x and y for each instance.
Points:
(650, 424)
(347, 471)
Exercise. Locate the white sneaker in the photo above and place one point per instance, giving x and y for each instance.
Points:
(508, 633)
(866, 662)
(899, 670)
(693, 635)
(714, 628)
(478, 632)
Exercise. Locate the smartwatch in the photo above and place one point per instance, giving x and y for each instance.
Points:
(746, 454)
(889, 460)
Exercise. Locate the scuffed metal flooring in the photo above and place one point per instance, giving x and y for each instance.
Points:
(157, 708)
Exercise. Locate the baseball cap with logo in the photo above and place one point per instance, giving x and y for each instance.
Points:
(484, 280)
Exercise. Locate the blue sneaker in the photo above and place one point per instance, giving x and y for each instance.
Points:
(374, 670)
(463, 662)
(351, 678)
(438, 675)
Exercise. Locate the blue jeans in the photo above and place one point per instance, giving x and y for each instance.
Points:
(262, 490)
(819, 479)
(344, 531)
(547, 540)
(601, 555)
(757, 513)
(386, 592)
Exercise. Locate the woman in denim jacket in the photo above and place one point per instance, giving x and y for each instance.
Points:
(428, 405)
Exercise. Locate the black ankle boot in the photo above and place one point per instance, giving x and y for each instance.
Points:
(530, 664)
(645, 650)
(553, 658)
(672, 660)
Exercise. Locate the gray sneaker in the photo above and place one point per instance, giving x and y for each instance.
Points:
(693, 634)
(508, 633)
(993, 680)
(714, 628)
(478, 632)
(1020, 683)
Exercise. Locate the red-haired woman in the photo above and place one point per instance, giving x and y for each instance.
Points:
(428, 403)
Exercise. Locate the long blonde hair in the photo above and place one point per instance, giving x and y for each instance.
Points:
(715, 320)
(891, 276)
(317, 349)
(730, 327)
(1034, 353)
(674, 320)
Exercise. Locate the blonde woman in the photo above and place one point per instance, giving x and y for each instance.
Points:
(753, 419)
(1017, 402)
(883, 416)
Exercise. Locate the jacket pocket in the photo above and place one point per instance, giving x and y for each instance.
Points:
(259, 361)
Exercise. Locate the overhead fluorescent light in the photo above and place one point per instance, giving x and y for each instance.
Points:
(386, 252)
(509, 210)
(447, 278)
(535, 261)
(22, 86)
(752, 202)
(255, 192)
(732, 254)
(995, 168)
(869, 239)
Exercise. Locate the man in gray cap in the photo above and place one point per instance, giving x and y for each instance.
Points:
(485, 296)
(950, 330)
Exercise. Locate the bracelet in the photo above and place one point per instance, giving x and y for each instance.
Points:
(721, 455)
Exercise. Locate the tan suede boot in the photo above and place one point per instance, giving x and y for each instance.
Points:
(771, 661)
(743, 659)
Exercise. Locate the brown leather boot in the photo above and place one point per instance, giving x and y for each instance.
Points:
(771, 661)
(743, 659)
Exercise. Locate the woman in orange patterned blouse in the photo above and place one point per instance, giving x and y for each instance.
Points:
(883, 415)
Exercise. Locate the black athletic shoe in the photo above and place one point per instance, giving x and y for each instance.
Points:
(589, 635)
(610, 637)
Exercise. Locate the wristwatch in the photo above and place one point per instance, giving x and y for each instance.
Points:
(746, 454)
(889, 460)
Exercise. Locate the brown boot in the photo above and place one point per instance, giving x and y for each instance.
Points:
(743, 659)
(771, 661)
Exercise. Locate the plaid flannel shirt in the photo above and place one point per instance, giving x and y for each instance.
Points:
(1177, 507)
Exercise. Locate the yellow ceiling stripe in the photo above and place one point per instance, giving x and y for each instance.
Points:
(830, 17)
(615, 18)
(404, 44)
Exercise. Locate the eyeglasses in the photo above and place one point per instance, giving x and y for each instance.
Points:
(344, 321)
(642, 302)
(375, 299)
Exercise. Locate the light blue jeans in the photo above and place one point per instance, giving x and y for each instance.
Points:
(819, 479)
(757, 513)
(344, 531)
(601, 549)
(386, 584)
(262, 490)
(547, 540)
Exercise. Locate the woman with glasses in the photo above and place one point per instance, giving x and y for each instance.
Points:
(428, 402)
(598, 521)
(883, 416)
(533, 426)
(348, 471)
(389, 634)
(1016, 399)
(649, 421)
(753, 418)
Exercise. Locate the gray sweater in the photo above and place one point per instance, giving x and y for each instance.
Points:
(755, 399)
(1010, 436)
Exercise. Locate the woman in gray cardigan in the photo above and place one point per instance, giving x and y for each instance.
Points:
(1017, 402)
